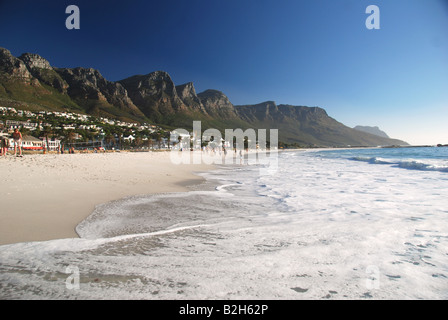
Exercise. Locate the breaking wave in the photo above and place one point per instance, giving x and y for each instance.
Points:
(427, 165)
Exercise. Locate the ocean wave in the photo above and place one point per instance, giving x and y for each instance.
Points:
(406, 164)
(417, 165)
(373, 160)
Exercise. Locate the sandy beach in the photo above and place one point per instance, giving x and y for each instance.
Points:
(44, 197)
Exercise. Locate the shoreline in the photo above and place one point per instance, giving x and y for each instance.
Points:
(44, 197)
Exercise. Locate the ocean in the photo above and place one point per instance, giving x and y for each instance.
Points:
(325, 224)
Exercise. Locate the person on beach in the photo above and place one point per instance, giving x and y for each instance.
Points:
(17, 137)
(4, 146)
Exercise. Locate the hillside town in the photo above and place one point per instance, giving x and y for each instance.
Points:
(50, 131)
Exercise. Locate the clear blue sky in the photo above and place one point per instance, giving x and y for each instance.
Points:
(313, 52)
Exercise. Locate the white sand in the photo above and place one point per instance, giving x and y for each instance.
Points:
(44, 197)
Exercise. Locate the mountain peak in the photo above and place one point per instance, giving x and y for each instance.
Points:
(33, 60)
(216, 104)
(372, 130)
(12, 67)
(186, 89)
(187, 93)
(155, 94)
(212, 92)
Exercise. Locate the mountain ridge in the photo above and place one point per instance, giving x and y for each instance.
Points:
(373, 130)
(154, 97)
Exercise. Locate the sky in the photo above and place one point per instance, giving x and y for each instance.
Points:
(297, 52)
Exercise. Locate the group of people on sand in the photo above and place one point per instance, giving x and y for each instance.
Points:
(17, 141)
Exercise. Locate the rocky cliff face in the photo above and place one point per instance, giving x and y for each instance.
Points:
(308, 126)
(41, 69)
(155, 94)
(12, 68)
(35, 61)
(83, 88)
(217, 105)
(187, 93)
(87, 85)
(259, 112)
(269, 111)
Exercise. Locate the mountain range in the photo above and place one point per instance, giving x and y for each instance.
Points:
(29, 82)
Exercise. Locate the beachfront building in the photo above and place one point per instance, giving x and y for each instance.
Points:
(29, 143)
(53, 145)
